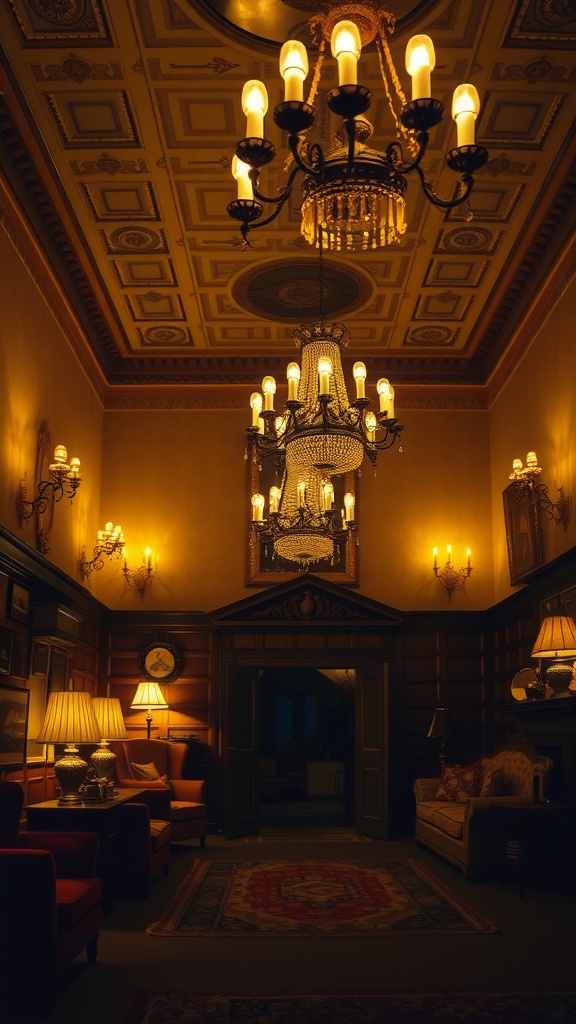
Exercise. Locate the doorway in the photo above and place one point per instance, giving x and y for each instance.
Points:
(306, 747)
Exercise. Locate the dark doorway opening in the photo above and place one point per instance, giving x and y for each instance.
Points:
(306, 762)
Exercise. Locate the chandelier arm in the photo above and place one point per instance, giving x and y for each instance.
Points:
(466, 181)
(395, 154)
(315, 168)
(282, 195)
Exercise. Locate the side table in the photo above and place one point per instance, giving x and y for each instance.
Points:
(103, 818)
(536, 835)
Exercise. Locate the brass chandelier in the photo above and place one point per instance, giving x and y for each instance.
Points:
(353, 194)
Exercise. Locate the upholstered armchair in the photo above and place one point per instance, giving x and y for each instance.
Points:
(144, 848)
(49, 906)
(156, 765)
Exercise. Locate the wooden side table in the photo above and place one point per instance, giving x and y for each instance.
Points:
(103, 818)
(532, 831)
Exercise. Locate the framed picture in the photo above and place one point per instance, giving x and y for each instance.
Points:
(19, 604)
(40, 659)
(265, 567)
(160, 663)
(58, 671)
(5, 650)
(13, 725)
(523, 535)
(36, 752)
(19, 659)
(4, 580)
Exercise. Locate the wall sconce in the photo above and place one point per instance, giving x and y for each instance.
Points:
(54, 481)
(110, 544)
(526, 477)
(142, 577)
(450, 577)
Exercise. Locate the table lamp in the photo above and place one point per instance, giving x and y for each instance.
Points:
(69, 719)
(149, 696)
(439, 729)
(108, 713)
(557, 640)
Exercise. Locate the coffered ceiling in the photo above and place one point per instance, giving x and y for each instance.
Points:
(118, 123)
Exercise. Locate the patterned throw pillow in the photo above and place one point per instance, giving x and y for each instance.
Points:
(492, 782)
(459, 782)
(148, 772)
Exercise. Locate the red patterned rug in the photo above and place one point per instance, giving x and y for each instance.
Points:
(283, 898)
(417, 1008)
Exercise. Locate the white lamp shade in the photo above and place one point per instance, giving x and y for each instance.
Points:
(557, 638)
(108, 713)
(69, 718)
(150, 696)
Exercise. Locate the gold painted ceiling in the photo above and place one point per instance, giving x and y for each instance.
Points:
(118, 123)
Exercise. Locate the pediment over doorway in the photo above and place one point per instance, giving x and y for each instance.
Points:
(307, 601)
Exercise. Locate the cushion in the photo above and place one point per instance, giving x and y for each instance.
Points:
(183, 810)
(75, 897)
(492, 782)
(160, 833)
(148, 773)
(448, 817)
(459, 782)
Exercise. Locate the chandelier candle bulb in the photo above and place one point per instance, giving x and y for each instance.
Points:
(359, 372)
(293, 375)
(346, 49)
(465, 108)
(531, 460)
(274, 499)
(448, 553)
(327, 496)
(349, 502)
(324, 371)
(148, 559)
(435, 557)
(269, 389)
(257, 508)
(74, 468)
(371, 424)
(240, 173)
(420, 62)
(60, 454)
(468, 558)
(256, 406)
(301, 494)
(293, 68)
(254, 105)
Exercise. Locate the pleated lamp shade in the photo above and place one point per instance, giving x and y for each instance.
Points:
(69, 719)
(149, 696)
(557, 639)
(108, 713)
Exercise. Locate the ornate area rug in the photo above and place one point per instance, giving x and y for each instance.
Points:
(420, 1008)
(283, 898)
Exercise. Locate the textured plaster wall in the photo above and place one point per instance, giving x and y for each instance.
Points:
(536, 411)
(43, 380)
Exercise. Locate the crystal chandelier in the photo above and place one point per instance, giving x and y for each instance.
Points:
(354, 194)
(319, 435)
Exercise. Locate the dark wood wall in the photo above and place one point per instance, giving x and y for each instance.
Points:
(464, 661)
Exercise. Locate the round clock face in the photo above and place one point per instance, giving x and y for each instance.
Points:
(160, 662)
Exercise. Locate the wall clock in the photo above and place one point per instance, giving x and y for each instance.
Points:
(160, 662)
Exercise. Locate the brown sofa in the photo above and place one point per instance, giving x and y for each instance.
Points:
(464, 830)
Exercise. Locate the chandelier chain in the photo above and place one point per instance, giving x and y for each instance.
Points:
(389, 72)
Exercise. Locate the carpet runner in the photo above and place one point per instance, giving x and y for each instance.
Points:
(418, 1008)
(340, 898)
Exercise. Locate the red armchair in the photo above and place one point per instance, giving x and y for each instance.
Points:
(49, 906)
(145, 847)
(156, 765)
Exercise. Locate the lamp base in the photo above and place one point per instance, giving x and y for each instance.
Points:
(103, 761)
(70, 771)
(558, 678)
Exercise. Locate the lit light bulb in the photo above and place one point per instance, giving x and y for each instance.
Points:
(274, 497)
(293, 375)
(293, 68)
(420, 62)
(257, 501)
(349, 502)
(359, 374)
(254, 105)
(240, 172)
(465, 108)
(269, 389)
(371, 424)
(324, 371)
(256, 406)
(346, 49)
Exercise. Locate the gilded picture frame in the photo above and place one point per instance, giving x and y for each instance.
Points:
(523, 534)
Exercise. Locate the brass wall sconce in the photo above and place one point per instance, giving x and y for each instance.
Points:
(450, 577)
(526, 477)
(142, 577)
(56, 479)
(110, 544)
